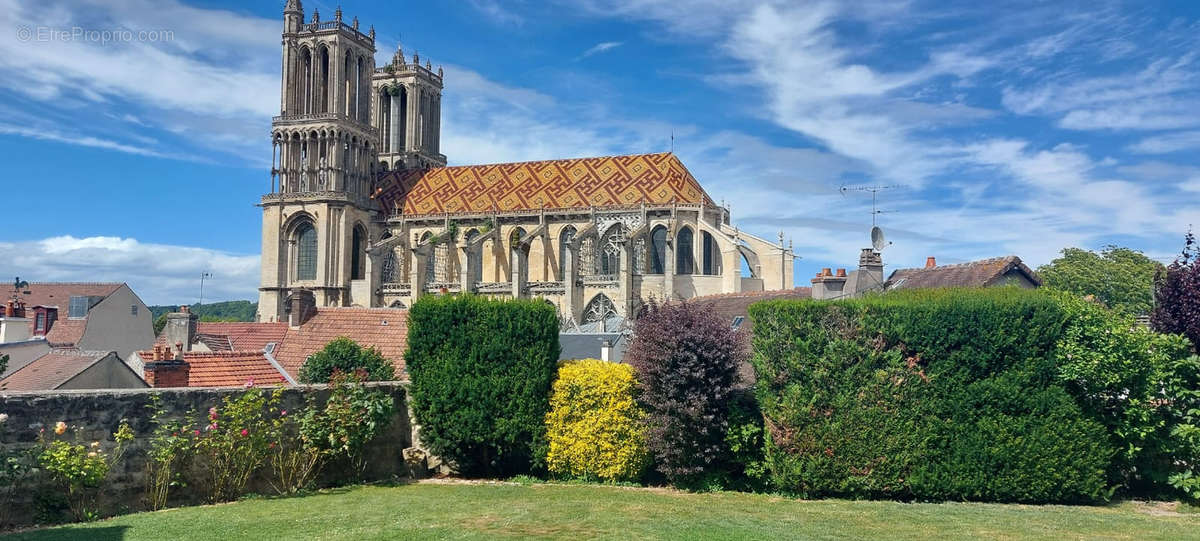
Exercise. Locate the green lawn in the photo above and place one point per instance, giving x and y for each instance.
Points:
(576, 512)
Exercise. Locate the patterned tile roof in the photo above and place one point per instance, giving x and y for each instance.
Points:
(65, 332)
(51, 370)
(230, 369)
(553, 184)
(384, 328)
(982, 273)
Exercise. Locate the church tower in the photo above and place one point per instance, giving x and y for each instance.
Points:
(318, 217)
(408, 105)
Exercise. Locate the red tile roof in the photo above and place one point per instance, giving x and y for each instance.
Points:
(65, 332)
(236, 336)
(386, 329)
(230, 369)
(51, 370)
(982, 273)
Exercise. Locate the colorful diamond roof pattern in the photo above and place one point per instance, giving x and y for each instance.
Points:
(554, 184)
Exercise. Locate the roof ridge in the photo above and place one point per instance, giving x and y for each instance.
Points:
(76, 283)
(962, 264)
(526, 162)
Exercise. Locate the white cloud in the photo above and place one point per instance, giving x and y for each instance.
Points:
(158, 273)
(600, 48)
(1168, 143)
(498, 13)
(87, 141)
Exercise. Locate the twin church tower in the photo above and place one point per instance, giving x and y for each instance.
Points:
(342, 122)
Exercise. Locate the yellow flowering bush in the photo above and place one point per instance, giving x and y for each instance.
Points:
(595, 429)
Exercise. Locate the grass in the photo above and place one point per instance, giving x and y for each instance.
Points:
(434, 510)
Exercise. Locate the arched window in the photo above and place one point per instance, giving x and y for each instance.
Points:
(599, 309)
(658, 250)
(357, 251)
(474, 257)
(565, 238)
(608, 257)
(306, 252)
(323, 74)
(684, 262)
(710, 254)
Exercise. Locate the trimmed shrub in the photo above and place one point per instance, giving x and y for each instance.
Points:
(345, 355)
(595, 429)
(928, 394)
(686, 359)
(481, 372)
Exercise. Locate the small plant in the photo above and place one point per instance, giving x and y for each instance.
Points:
(451, 232)
(80, 469)
(16, 465)
(487, 227)
(296, 459)
(236, 442)
(351, 418)
(595, 428)
(170, 444)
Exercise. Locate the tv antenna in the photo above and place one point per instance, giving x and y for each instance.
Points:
(875, 210)
(203, 275)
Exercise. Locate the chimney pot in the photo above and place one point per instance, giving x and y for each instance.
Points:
(930, 262)
(841, 273)
(826, 271)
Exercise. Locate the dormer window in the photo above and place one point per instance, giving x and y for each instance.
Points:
(40, 327)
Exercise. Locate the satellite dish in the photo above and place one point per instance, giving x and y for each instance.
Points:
(878, 241)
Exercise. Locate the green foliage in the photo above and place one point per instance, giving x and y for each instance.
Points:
(745, 439)
(80, 469)
(236, 442)
(170, 445)
(345, 355)
(1117, 371)
(16, 467)
(160, 323)
(481, 373)
(1181, 390)
(595, 429)
(352, 417)
(3, 363)
(1121, 278)
(943, 394)
(220, 311)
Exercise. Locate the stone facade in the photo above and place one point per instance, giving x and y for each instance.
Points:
(595, 242)
(99, 413)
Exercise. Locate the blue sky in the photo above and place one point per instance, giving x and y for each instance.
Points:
(1009, 127)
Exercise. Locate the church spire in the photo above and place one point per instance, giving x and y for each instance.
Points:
(293, 6)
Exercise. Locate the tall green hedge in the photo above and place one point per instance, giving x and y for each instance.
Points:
(481, 373)
(933, 394)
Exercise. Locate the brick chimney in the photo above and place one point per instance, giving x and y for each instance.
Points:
(930, 262)
(164, 369)
(181, 328)
(14, 326)
(301, 306)
(828, 286)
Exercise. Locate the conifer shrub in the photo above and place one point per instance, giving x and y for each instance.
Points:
(595, 429)
(686, 362)
(928, 394)
(481, 373)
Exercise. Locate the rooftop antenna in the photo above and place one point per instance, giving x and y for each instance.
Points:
(672, 140)
(203, 275)
(875, 210)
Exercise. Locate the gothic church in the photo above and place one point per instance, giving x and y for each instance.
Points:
(363, 210)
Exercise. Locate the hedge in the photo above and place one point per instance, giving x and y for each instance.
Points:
(481, 373)
(595, 428)
(929, 394)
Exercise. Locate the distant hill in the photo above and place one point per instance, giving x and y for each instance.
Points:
(217, 311)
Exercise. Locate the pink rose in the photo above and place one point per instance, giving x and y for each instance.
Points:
(283, 413)
(245, 432)
(196, 432)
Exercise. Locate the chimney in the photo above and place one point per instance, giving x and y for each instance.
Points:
(164, 369)
(606, 350)
(301, 306)
(14, 326)
(841, 273)
(870, 271)
(181, 328)
(828, 286)
(930, 262)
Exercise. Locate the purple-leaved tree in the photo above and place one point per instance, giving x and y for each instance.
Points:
(687, 359)
(1177, 295)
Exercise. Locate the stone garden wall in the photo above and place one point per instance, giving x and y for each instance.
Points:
(98, 414)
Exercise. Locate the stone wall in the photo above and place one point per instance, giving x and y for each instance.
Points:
(98, 414)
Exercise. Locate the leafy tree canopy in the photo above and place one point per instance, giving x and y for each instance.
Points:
(1121, 278)
(1177, 295)
(3, 363)
(345, 355)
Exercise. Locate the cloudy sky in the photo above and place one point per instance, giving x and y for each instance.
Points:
(1005, 127)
